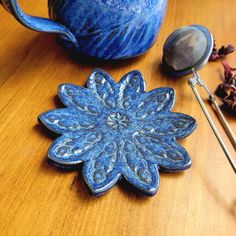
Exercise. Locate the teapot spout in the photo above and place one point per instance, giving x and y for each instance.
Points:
(37, 23)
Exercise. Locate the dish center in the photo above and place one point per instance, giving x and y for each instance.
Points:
(118, 121)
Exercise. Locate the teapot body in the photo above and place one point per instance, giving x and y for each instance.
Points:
(110, 29)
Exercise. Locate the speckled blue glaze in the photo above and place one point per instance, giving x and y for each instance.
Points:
(118, 130)
(106, 29)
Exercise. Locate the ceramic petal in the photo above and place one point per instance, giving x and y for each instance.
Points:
(155, 102)
(102, 171)
(103, 86)
(67, 120)
(170, 124)
(167, 154)
(80, 98)
(137, 170)
(72, 148)
(131, 86)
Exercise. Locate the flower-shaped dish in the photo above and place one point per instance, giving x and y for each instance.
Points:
(118, 130)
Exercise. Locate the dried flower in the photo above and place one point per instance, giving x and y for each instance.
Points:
(227, 89)
(226, 50)
(230, 101)
(223, 90)
(223, 51)
(214, 55)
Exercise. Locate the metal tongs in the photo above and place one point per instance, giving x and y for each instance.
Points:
(185, 51)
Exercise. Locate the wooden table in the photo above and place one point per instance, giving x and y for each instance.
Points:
(37, 199)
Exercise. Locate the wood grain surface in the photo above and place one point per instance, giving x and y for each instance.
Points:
(38, 199)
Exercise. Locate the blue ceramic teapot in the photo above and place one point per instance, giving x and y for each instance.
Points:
(107, 29)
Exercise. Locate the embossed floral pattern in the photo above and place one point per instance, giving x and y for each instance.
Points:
(118, 130)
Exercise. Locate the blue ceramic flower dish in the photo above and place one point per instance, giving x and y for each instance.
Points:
(118, 130)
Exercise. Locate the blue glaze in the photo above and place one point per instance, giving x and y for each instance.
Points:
(118, 130)
(107, 29)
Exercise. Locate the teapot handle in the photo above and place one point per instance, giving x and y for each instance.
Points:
(37, 23)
